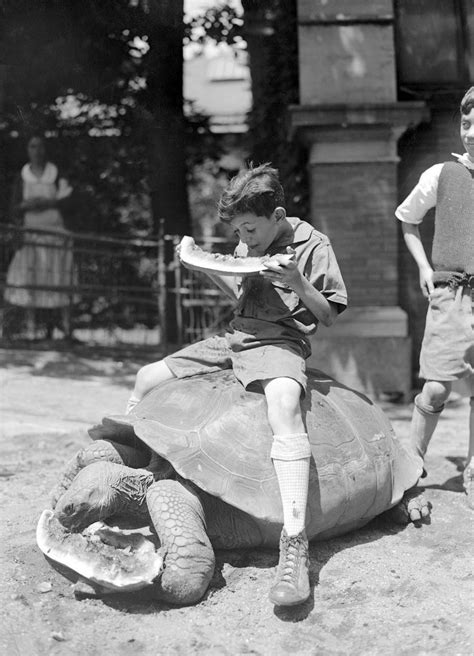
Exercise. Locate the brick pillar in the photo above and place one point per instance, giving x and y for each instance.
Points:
(351, 122)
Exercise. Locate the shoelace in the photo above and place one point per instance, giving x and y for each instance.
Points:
(291, 555)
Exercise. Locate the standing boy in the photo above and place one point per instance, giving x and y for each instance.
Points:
(267, 343)
(447, 351)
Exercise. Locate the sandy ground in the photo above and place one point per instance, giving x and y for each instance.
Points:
(379, 591)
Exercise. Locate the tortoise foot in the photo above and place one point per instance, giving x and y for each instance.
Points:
(414, 507)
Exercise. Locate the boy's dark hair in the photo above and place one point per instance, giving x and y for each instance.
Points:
(467, 103)
(257, 190)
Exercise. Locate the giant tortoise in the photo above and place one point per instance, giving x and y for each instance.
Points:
(211, 483)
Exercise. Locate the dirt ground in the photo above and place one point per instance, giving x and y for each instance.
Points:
(382, 590)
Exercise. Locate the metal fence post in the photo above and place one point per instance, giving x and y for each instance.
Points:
(162, 292)
(178, 292)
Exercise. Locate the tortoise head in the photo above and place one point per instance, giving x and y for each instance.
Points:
(92, 496)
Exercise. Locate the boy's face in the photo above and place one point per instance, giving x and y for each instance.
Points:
(467, 132)
(258, 232)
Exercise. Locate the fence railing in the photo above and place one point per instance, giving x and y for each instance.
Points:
(104, 290)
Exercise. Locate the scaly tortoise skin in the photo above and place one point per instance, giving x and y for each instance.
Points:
(221, 491)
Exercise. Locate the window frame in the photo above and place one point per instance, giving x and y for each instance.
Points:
(463, 50)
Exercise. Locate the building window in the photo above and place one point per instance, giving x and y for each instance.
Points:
(435, 45)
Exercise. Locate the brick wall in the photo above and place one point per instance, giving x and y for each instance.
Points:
(350, 206)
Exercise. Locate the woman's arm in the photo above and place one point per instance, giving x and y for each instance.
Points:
(16, 210)
(38, 204)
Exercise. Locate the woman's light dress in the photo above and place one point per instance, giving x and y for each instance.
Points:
(45, 261)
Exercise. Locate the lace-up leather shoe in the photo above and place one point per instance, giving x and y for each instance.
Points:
(291, 585)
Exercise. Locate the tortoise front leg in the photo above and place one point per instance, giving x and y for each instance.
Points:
(99, 450)
(178, 517)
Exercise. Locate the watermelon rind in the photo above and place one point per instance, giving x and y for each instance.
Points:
(195, 258)
(133, 565)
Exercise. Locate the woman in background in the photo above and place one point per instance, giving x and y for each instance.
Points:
(45, 260)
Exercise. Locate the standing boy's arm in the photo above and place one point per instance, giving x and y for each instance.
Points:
(411, 213)
(411, 234)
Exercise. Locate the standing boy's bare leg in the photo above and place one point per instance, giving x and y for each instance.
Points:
(291, 457)
(147, 378)
(468, 476)
(428, 407)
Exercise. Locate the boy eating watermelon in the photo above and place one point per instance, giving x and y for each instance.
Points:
(267, 343)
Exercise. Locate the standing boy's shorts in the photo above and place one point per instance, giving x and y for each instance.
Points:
(447, 351)
(250, 364)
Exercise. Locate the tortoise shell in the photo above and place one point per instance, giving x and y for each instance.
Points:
(216, 434)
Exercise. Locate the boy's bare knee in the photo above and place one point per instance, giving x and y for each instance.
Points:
(151, 375)
(144, 373)
(435, 393)
(284, 414)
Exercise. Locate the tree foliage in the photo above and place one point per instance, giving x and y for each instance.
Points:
(85, 74)
(221, 23)
(54, 48)
(271, 33)
(270, 29)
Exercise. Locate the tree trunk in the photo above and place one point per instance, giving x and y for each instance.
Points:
(164, 101)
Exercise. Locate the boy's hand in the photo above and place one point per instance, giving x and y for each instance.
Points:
(426, 282)
(280, 270)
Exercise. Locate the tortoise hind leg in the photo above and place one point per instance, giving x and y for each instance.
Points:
(178, 517)
(413, 507)
(98, 450)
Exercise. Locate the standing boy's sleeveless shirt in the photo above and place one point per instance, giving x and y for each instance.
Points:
(453, 242)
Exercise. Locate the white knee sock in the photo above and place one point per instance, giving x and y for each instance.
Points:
(291, 457)
(293, 477)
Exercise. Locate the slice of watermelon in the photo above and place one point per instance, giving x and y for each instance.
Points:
(193, 257)
(114, 559)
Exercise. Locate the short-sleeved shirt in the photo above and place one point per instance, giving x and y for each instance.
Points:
(268, 336)
(268, 311)
(423, 196)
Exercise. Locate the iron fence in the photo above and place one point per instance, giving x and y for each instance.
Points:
(104, 290)
(201, 308)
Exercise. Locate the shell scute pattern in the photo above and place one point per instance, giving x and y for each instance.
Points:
(216, 435)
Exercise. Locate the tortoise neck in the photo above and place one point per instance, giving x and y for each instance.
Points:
(132, 488)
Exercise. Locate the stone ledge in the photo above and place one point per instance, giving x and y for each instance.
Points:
(367, 321)
(342, 115)
(376, 366)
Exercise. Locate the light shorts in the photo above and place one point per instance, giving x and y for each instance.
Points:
(447, 351)
(250, 365)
